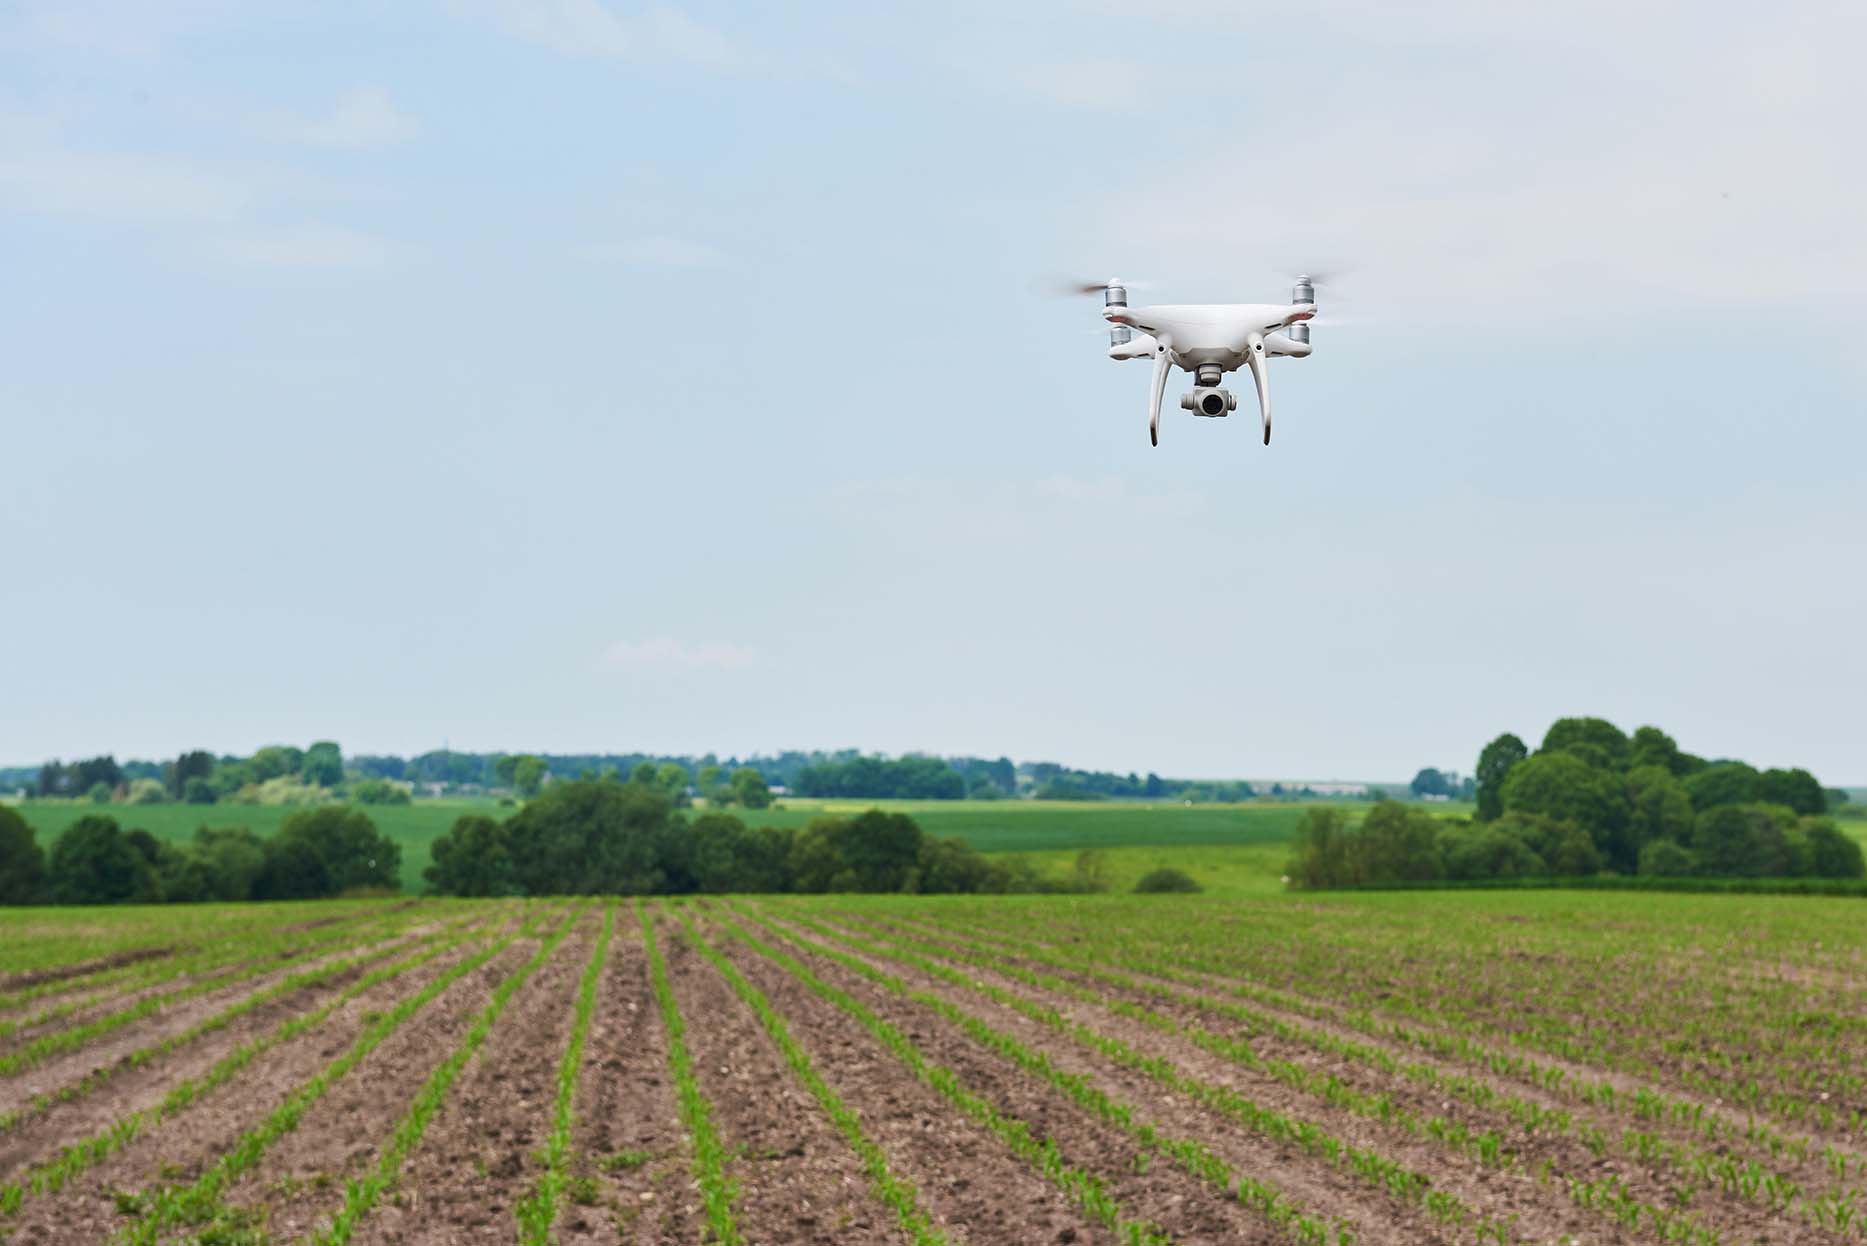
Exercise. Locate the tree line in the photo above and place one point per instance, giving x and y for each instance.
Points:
(316, 853)
(1592, 799)
(612, 837)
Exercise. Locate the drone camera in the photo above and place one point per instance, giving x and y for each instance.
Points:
(1209, 401)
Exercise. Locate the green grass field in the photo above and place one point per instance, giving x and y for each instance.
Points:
(412, 827)
(1220, 844)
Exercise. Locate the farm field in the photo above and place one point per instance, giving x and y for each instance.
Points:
(1377, 1068)
(990, 826)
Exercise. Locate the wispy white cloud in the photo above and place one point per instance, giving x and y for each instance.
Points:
(363, 119)
(590, 28)
(656, 251)
(669, 653)
(119, 187)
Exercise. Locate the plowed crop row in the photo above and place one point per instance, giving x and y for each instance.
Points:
(925, 1071)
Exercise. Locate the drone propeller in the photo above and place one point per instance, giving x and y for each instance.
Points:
(1069, 286)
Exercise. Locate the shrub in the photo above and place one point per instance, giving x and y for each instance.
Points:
(327, 851)
(1665, 859)
(94, 862)
(22, 861)
(147, 792)
(380, 792)
(1166, 880)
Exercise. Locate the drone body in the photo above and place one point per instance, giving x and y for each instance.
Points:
(1209, 340)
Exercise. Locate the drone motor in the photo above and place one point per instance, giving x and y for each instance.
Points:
(1116, 295)
(1303, 292)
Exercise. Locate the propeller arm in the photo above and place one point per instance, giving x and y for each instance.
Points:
(1260, 372)
(1163, 360)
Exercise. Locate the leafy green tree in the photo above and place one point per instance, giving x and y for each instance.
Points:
(503, 767)
(1664, 858)
(93, 862)
(1494, 766)
(474, 858)
(275, 760)
(673, 779)
(199, 791)
(380, 792)
(1832, 854)
(1724, 783)
(593, 836)
(233, 857)
(1565, 733)
(952, 867)
(750, 789)
(1741, 841)
(1480, 850)
(528, 775)
(195, 765)
(1430, 782)
(880, 849)
(353, 853)
(99, 794)
(294, 869)
(146, 792)
(1836, 797)
(1796, 789)
(22, 861)
(1559, 785)
(324, 764)
(1323, 850)
(1652, 747)
(1398, 844)
(1658, 804)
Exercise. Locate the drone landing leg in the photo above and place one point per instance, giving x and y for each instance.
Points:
(1162, 362)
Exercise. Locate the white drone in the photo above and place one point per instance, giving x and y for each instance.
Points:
(1207, 340)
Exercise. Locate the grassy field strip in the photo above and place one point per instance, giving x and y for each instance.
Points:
(709, 1161)
(1543, 1020)
(1608, 1197)
(219, 1021)
(362, 1195)
(226, 944)
(267, 961)
(539, 1210)
(39, 941)
(1373, 1169)
(1693, 1166)
(1642, 1104)
(1646, 1102)
(150, 973)
(53, 1175)
(1082, 1187)
(200, 1203)
(896, 1192)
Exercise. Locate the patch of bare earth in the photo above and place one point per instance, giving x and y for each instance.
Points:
(479, 1155)
(966, 1180)
(626, 1136)
(300, 1181)
(799, 1183)
(1148, 1186)
(180, 1149)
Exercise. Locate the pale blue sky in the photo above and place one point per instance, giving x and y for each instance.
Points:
(571, 375)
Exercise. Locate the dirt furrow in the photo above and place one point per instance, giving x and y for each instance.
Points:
(1150, 1186)
(627, 1135)
(65, 1068)
(1538, 1204)
(966, 1180)
(87, 1209)
(799, 1183)
(478, 1157)
(1326, 1016)
(1568, 1153)
(301, 1179)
